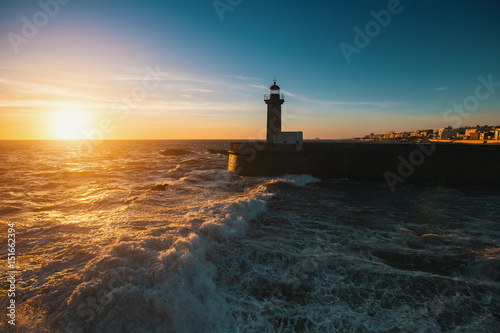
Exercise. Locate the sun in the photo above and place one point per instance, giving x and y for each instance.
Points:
(70, 125)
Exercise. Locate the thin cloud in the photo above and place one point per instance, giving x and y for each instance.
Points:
(258, 86)
(326, 103)
(288, 93)
(243, 78)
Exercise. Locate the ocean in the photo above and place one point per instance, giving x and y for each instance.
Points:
(123, 238)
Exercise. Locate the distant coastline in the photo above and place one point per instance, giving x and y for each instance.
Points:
(467, 134)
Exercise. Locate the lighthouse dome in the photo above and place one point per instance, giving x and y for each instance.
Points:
(274, 87)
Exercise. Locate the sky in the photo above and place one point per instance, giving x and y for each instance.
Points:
(199, 69)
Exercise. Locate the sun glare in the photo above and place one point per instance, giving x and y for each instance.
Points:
(70, 125)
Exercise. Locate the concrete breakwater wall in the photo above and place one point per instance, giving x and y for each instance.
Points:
(388, 162)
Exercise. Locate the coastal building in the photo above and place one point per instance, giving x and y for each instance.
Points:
(474, 136)
(478, 132)
(427, 133)
(471, 132)
(447, 133)
(274, 134)
(415, 133)
(487, 136)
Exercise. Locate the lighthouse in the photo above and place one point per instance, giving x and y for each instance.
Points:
(274, 101)
(274, 134)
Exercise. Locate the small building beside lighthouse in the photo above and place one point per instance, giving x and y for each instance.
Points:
(274, 101)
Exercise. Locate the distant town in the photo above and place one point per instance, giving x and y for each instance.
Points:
(463, 134)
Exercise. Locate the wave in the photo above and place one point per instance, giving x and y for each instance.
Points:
(163, 282)
(297, 180)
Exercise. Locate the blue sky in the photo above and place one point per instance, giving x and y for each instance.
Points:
(426, 59)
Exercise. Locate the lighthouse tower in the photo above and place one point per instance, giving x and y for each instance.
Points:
(274, 101)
